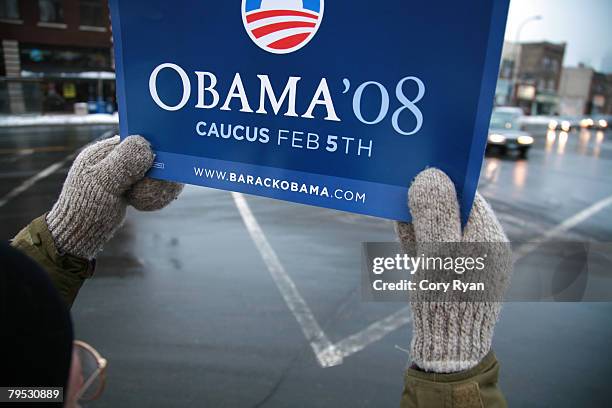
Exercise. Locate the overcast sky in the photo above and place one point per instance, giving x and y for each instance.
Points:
(585, 25)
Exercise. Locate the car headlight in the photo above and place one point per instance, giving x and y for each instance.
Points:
(552, 125)
(495, 138)
(603, 123)
(565, 125)
(525, 140)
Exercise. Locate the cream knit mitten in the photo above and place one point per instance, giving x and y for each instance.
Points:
(105, 177)
(452, 336)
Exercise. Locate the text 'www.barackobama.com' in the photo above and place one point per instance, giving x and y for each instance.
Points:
(280, 184)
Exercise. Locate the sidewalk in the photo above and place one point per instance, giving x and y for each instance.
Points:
(58, 119)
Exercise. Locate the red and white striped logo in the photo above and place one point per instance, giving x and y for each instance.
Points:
(281, 26)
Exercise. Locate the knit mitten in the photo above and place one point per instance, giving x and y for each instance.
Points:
(451, 335)
(151, 194)
(105, 177)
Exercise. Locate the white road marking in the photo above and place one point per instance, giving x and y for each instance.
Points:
(34, 179)
(563, 227)
(324, 350)
(41, 175)
(374, 332)
(329, 354)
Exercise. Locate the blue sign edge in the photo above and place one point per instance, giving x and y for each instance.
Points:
(119, 73)
(490, 72)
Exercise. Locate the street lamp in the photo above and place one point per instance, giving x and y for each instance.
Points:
(517, 55)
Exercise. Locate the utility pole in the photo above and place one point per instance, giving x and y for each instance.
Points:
(517, 56)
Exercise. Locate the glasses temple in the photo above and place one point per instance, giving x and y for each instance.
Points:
(87, 383)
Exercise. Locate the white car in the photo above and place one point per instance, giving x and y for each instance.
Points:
(505, 133)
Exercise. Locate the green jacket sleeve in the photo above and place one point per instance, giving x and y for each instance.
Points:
(67, 272)
(474, 388)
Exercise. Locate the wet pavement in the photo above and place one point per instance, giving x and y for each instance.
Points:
(187, 313)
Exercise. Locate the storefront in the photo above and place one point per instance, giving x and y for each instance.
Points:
(65, 76)
(546, 103)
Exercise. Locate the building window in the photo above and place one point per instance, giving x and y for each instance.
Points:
(92, 13)
(46, 58)
(9, 9)
(541, 84)
(555, 65)
(506, 68)
(51, 11)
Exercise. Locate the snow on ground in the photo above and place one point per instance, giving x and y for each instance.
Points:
(113, 119)
(538, 120)
(58, 119)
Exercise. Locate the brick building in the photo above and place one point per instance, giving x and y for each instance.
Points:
(54, 53)
(533, 82)
(539, 75)
(584, 91)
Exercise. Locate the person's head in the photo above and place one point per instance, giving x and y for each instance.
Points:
(36, 337)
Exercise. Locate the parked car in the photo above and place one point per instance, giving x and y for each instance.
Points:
(505, 133)
(595, 122)
(561, 124)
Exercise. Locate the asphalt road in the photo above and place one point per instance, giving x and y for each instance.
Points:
(188, 313)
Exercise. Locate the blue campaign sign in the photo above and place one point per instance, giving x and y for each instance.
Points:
(338, 104)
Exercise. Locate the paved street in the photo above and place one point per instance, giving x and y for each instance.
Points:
(189, 313)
